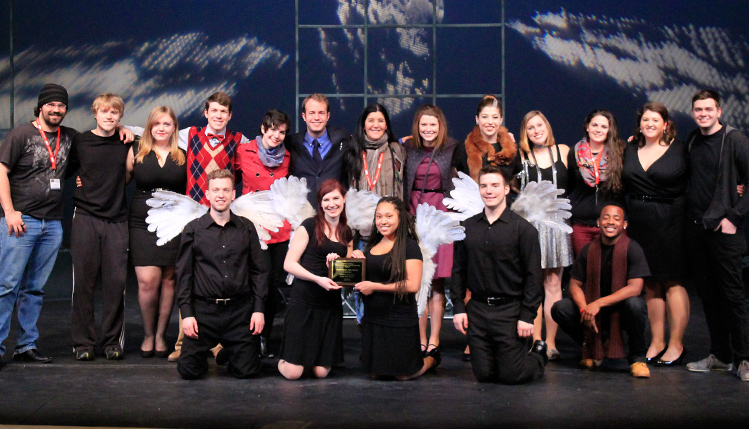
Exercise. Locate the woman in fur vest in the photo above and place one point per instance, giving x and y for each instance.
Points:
(429, 173)
(489, 143)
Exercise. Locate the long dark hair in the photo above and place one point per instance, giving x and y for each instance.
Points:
(352, 157)
(615, 148)
(669, 133)
(342, 231)
(396, 259)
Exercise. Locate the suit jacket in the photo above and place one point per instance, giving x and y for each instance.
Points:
(302, 164)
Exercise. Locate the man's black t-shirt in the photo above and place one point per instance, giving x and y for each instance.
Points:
(637, 266)
(31, 175)
(100, 162)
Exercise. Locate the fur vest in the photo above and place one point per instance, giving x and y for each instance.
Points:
(477, 149)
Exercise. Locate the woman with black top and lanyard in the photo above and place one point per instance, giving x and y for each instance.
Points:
(375, 162)
(429, 175)
(543, 159)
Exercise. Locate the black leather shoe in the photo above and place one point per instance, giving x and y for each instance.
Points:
(264, 352)
(655, 358)
(222, 357)
(466, 357)
(540, 347)
(31, 355)
(678, 361)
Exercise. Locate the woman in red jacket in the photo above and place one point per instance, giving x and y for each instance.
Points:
(261, 162)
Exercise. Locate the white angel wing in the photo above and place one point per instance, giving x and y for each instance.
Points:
(538, 204)
(434, 228)
(360, 210)
(465, 199)
(169, 213)
(289, 197)
(258, 208)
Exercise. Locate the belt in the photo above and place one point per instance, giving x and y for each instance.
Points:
(150, 191)
(649, 199)
(494, 301)
(441, 191)
(222, 301)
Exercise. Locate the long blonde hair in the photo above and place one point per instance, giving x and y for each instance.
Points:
(524, 141)
(146, 140)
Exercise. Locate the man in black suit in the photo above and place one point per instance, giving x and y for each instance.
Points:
(317, 153)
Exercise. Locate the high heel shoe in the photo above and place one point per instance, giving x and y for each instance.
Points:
(655, 358)
(678, 361)
(162, 354)
(146, 354)
(436, 354)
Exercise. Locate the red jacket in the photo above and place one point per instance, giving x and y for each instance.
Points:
(257, 177)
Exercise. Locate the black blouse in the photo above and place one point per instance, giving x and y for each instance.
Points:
(385, 308)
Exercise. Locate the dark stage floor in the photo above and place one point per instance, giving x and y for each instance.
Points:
(149, 392)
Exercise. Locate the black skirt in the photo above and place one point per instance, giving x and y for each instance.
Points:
(391, 351)
(312, 336)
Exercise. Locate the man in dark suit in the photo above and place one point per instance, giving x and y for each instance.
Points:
(317, 153)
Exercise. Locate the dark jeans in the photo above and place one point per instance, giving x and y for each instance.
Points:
(716, 262)
(276, 279)
(498, 354)
(99, 249)
(633, 319)
(228, 325)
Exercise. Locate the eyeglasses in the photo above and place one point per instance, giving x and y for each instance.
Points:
(61, 106)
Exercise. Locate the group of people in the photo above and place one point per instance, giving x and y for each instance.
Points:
(505, 277)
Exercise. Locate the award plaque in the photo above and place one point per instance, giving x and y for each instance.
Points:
(348, 271)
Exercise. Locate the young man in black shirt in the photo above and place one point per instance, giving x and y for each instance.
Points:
(500, 263)
(99, 234)
(605, 286)
(719, 160)
(222, 282)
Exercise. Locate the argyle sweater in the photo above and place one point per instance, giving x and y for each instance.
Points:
(202, 158)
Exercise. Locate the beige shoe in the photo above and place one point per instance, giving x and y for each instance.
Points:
(590, 363)
(174, 356)
(639, 370)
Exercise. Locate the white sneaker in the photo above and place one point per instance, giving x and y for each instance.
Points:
(710, 363)
(743, 371)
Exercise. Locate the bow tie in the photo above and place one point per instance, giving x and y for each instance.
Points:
(217, 137)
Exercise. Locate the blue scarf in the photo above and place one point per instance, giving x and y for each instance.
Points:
(270, 157)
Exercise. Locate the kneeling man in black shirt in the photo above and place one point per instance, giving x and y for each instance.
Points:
(222, 281)
(500, 263)
(605, 286)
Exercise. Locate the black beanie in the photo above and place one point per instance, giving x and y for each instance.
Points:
(52, 92)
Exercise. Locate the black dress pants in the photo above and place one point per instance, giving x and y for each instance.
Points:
(716, 264)
(276, 279)
(99, 249)
(633, 318)
(228, 325)
(498, 354)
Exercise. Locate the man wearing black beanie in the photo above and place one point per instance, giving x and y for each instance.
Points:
(33, 159)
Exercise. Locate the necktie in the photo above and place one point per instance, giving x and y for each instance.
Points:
(316, 152)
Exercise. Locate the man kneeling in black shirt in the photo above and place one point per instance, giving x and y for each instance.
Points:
(222, 281)
(605, 286)
(499, 261)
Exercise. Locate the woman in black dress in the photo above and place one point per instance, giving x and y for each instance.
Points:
(312, 337)
(390, 328)
(156, 164)
(655, 178)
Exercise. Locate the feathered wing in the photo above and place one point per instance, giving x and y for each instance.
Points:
(360, 210)
(258, 208)
(539, 204)
(169, 213)
(289, 197)
(434, 228)
(465, 199)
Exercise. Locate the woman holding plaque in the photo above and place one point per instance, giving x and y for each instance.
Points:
(390, 328)
(313, 337)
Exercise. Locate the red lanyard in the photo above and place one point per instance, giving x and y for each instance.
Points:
(596, 162)
(372, 182)
(52, 156)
